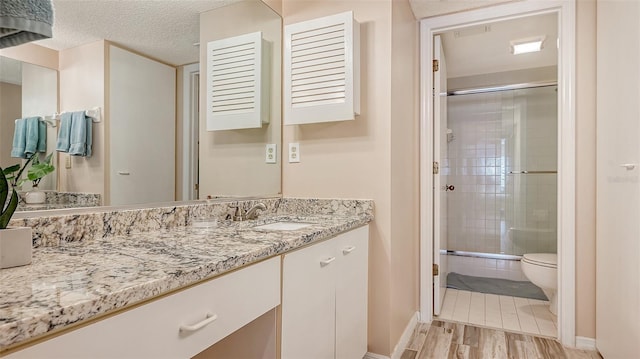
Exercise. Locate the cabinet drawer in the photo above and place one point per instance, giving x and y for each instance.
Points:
(154, 330)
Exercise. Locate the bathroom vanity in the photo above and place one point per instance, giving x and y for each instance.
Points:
(174, 292)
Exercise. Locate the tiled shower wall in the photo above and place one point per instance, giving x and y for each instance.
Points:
(491, 209)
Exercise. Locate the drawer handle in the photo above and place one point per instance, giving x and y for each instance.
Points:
(192, 328)
(327, 261)
(348, 250)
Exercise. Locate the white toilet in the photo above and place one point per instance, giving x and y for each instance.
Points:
(542, 270)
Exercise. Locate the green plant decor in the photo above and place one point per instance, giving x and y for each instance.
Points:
(14, 178)
(6, 209)
(38, 170)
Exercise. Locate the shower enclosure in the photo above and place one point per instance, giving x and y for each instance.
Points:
(502, 161)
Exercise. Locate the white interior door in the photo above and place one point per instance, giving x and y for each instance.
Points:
(618, 184)
(142, 129)
(440, 185)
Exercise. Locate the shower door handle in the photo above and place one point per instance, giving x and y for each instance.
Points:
(449, 187)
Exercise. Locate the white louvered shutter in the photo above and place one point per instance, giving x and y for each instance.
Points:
(322, 70)
(237, 91)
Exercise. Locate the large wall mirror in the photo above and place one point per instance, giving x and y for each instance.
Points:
(140, 64)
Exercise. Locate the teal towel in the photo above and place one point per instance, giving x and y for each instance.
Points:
(89, 142)
(42, 136)
(32, 136)
(81, 136)
(19, 139)
(64, 132)
(24, 21)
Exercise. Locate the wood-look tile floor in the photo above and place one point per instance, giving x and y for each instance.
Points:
(528, 316)
(444, 340)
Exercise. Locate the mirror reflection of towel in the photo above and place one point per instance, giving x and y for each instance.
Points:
(75, 134)
(19, 139)
(64, 131)
(36, 136)
(29, 137)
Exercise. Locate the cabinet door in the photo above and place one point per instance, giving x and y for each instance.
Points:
(351, 293)
(618, 184)
(308, 302)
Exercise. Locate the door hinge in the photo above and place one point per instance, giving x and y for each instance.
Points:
(436, 270)
(196, 186)
(436, 65)
(436, 167)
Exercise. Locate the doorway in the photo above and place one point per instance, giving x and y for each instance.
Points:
(190, 141)
(438, 202)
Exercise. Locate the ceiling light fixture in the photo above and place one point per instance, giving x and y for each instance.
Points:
(523, 46)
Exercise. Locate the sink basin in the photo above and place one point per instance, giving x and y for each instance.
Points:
(204, 223)
(283, 226)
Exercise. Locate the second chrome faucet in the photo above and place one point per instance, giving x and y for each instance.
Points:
(251, 213)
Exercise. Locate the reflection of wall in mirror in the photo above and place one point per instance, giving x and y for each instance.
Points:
(82, 86)
(233, 162)
(34, 93)
(128, 114)
(10, 109)
(40, 98)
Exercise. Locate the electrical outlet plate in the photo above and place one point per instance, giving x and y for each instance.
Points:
(271, 153)
(294, 152)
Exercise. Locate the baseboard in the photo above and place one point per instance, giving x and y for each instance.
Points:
(585, 343)
(406, 336)
(374, 356)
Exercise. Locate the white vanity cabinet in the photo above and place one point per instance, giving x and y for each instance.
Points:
(180, 325)
(324, 298)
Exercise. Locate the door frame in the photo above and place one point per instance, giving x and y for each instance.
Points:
(566, 146)
(190, 118)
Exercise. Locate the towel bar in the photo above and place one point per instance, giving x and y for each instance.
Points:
(93, 113)
(50, 122)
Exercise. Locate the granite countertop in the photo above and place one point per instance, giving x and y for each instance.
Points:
(79, 281)
(47, 206)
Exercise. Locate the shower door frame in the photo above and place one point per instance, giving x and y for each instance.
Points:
(565, 9)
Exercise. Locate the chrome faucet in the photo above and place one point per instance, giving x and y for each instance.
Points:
(239, 215)
(252, 212)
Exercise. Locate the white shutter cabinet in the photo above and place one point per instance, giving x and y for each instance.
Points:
(322, 70)
(237, 83)
(324, 298)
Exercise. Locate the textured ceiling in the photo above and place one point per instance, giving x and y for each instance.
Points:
(162, 29)
(489, 52)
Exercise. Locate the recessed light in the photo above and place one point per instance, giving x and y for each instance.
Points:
(524, 46)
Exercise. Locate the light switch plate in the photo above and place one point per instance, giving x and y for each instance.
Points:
(271, 153)
(294, 152)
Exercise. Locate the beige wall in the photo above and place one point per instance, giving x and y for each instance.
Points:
(404, 168)
(586, 169)
(357, 159)
(233, 162)
(82, 86)
(10, 110)
(276, 5)
(33, 54)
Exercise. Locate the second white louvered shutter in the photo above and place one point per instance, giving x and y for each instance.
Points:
(237, 87)
(322, 70)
